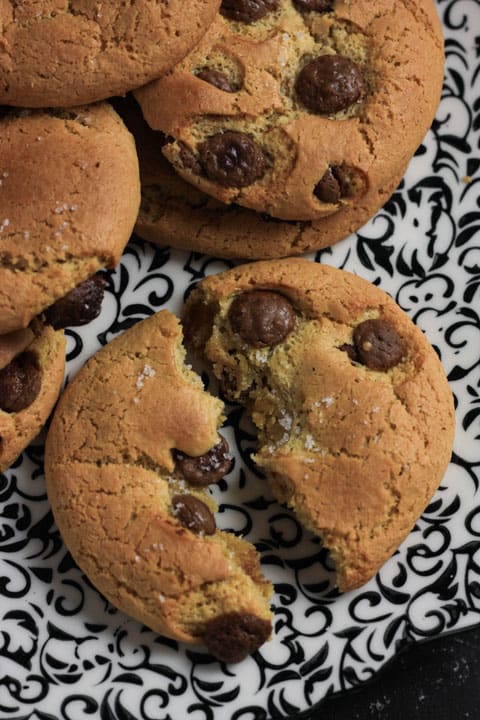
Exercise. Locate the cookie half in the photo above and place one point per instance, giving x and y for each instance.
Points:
(354, 413)
(173, 212)
(299, 109)
(32, 367)
(133, 443)
(69, 197)
(57, 53)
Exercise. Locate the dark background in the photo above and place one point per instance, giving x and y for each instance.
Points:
(435, 680)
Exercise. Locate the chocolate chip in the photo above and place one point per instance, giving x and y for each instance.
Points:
(350, 350)
(216, 78)
(261, 317)
(233, 636)
(193, 514)
(198, 324)
(328, 188)
(208, 468)
(79, 306)
(378, 344)
(20, 383)
(247, 11)
(340, 181)
(314, 5)
(329, 83)
(232, 159)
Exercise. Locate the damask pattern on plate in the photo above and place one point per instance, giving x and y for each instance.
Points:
(66, 653)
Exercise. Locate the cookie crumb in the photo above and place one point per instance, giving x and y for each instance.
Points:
(147, 371)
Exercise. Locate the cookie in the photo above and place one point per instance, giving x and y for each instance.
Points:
(57, 53)
(69, 197)
(32, 367)
(173, 212)
(301, 109)
(354, 413)
(131, 448)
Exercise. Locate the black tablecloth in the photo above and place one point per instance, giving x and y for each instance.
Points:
(437, 680)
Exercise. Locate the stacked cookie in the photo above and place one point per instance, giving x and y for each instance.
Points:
(263, 128)
(69, 177)
(292, 122)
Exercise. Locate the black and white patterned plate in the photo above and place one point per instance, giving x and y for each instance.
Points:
(65, 653)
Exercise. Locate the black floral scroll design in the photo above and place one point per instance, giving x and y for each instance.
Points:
(198, 266)
(139, 277)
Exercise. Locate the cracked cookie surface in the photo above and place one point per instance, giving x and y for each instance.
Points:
(69, 197)
(128, 454)
(32, 367)
(354, 413)
(56, 53)
(174, 212)
(301, 112)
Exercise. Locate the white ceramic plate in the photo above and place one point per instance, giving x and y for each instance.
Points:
(66, 653)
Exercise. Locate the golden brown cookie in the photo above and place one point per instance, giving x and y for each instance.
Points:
(57, 53)
(32, 366)
(173, 212)
(354, 414)
(132, 446)
(69, 197)
(299, 109)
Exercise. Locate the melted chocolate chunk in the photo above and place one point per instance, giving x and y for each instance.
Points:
(329, 83)
(247, 11)
(198, 324)
(314, 5)
(338, 182)
(232, 159)
(208, 468)
(216, 78)
(20, 383)
(378, 344)
(235, 635)
(261, 317)
(350, 350)
(79, 306)
(328, 188)
(193, 514)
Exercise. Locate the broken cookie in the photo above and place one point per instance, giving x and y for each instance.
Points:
(354, 413)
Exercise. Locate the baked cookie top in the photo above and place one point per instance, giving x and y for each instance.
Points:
(32, 367)
(353, 409)
(58, 53)
(174, 212)
(132, 445)
(69, 197)
(297, 108)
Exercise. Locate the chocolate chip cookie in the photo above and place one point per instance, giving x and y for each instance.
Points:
(173, 212)
(59, 53)
(354, 413)
(132, 446)
(32, 366)
(300, 109)
(69, 197)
